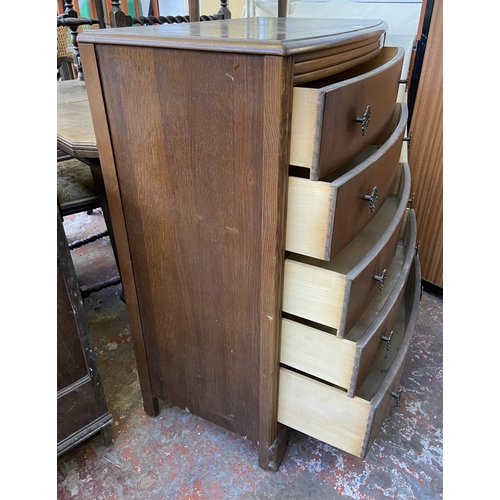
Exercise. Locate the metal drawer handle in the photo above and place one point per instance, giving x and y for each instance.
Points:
(411, 201)
(388, 339)
(364, 120)
(372, 198)
(381, 279)
(397, 396)
(408, 139)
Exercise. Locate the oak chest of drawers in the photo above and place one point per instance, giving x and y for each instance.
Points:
(259, 206)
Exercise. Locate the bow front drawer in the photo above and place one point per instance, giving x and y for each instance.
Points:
(334, 118)
(336, 293)
(346, 362)
(325, 412)
(324, 216)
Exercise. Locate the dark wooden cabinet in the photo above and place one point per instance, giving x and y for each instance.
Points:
(81, 406)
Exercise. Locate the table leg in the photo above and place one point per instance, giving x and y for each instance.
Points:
(95, 167)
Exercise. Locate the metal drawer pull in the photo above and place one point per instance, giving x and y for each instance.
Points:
(408, 139)
(388, 339)
(412, 200)
(381, 279)
(364, 120)
(406, 81)
(397, 397)
(372, 198)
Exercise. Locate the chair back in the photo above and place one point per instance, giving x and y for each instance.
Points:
(118, 18)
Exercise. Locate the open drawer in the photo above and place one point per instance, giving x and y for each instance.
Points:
(325, 412)
(324, 216)
(336, 117)
(336, 293)
(346, 362)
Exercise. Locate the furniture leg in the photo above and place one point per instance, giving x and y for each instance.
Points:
(151, 406)
(107, 435)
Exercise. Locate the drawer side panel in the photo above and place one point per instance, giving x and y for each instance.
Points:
(323, 412)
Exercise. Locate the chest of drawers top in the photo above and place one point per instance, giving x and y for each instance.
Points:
(321, 47)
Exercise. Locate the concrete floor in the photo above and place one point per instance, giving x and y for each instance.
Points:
(180, 456)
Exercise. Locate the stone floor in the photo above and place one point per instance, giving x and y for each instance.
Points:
(180, 456)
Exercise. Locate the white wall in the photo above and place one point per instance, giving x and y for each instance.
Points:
(402, 16)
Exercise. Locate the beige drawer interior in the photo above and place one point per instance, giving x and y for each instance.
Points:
(324, 216)
(334, 118)
(336, 293)
(325, 412)
(346, 362)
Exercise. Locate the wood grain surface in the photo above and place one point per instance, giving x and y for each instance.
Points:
(257, 35)
(426, 153)
(203, 203)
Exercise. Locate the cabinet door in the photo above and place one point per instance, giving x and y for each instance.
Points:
(81, 406)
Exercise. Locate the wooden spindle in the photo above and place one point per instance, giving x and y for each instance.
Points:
(282, 8)
(117, 18)
(224, 12)
(99, 13)
(194, 10)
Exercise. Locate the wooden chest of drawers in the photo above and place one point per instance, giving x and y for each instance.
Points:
(258, 201)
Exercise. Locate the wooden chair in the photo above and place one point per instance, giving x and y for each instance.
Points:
(71, 20)
(76, 193)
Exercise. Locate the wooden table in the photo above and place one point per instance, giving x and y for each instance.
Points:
(75, 136)
(75, 132)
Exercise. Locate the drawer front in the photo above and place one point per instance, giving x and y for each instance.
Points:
(323, 217)
(336, 293)
(322, 63)
(379, 334)
(328, 414)
(364, 280)
(333, 123)
(383, 400)
(346, 362)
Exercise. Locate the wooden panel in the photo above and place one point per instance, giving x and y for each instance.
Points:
(103, 139)
(322, 411)
(76, 409)
(426, 153)
(80, 397)
(317, 353)
(204, 210)
(71, 364)
(313, 293)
